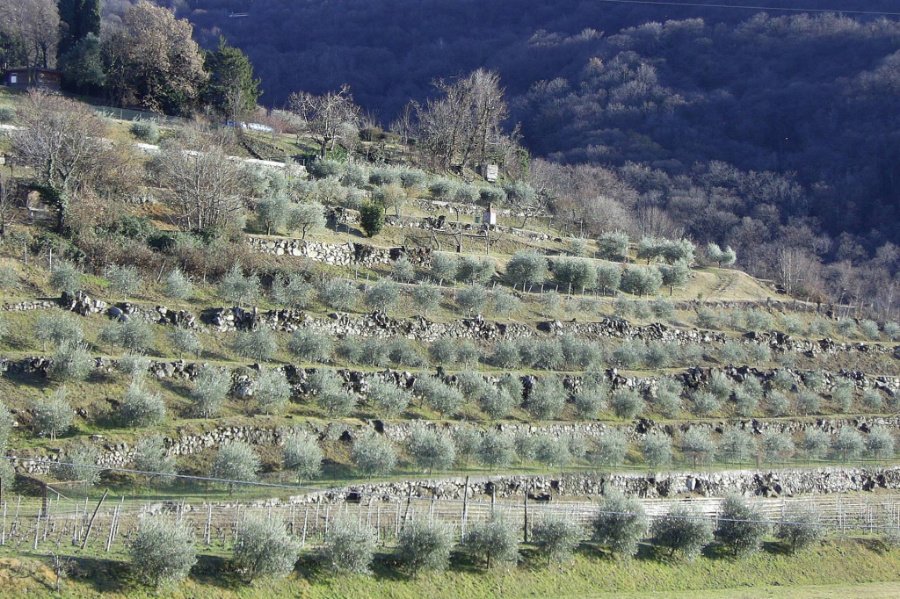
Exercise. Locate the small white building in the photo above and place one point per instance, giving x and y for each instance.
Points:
(491, 173)
(490, 216)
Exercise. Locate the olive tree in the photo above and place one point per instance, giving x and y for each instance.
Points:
(546, 399)
(142, 407)
(150, 457)
(438, 396)
(613, 245)
(799, 529)
(132, 335)
(657, 449)
(430, 450)
(697, 446)
(847, 445)
(557, 537)
(302, 455)
(387, 398)
(54, 415)
(349, 547)
(210, 390)
(257, 344)
(70, 362)
(311, 346)
(526, 268)
(627, 403)
(424, 546)
(57, 329)
(162, 550)
(619, 524)
(263, 548)
(272, 391)
(373, 455)
(235, 461)
(494, 542)
(683, 529)
(238, 288)
(79, 463)
(185, 341)
(740, 527)
(609, 448)
(177, 285)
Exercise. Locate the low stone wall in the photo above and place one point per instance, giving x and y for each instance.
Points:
(339, 254)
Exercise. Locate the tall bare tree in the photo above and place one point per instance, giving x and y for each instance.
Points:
(62, 141)
(32, 26)
(331, 117)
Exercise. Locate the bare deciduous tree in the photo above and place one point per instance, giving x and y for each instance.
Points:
(33, 28)
(331, 117)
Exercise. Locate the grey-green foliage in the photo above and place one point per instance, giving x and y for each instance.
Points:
(237, 288)
(504, 303)
(373, 455)
(697, 446)
(620, 524)
(662, 308)
(641, 281)
(704, 403)
(684, 530)
(613, 245)
(675, 275)
(427, 298)
(424, 546)
(842, 396)
(506, 354)
(142, 407)
(134, 366)
(495, 449)
(472, 270)
(777, 447)
(150, 456)
(736, 445)
(872, 400)
(79, 463)
(402, 270)
(258, 344)
(720, 385)
(740, 527)
(815, 444)
(133, 335)
(53, 415)
(892, 330)
(609, 277)
(627, 403)
(331, 396)
(591, 398)
(551, 451)
(557, 537)
(387, 399)
(526, 268)
(305, 217)
(494, 542)
(146, 131)
(293, 291)
(471, 299)
(177, 285)
(311, 346)
(668, 398)
(185, 341)
(467, 440)
(210, 390)
(6, 426)
(778, 404)
(272, 391)
(123, 280)
(438, 396)
(339, 294)
(430, 449)
(657, 449)
(496, 402)
(65, 278)
(383, 295)
(235, 461)
(609, 448)
(800, 528)
(263, 548)
(880, 443)
(70, 362)
(725, 257)
(349, 547)
(808, 402)
(162, 551)
(58, 329)
(746, 398)
(550, 303)
(443, 267)
(302, 455)
(546, 399)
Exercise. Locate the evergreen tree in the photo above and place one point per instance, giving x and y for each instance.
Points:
(78, 19)
(231, 88)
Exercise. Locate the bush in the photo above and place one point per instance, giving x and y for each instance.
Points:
(146, 131)
(847, 327)
(550, 303)
(58, 329)
(746, 398)
(590, 399)
(323, 168)
(778, 404)
(185, 341)
(371, 218)
(704, 403)
(777, 447)
(373, 455)
(657, 450)
(494, 542)
(383, 295)
(123, 280)
(210, 390)
(430, 450)
(662, 309)
(619, 524)
(292, 291)
(311, 346)
(403, 352)
(349, 547)
(79, 464)
(472, 270)
(547, 353)
(720, 385)
(737, 446)
(610, 448)
(132, 335)
(668, 398)
(815, 444)
(426, 298)
(438, 396)
(800, 529)
(150, 456)
(495, 449)
(872, 400)
(546, 399)
(880, 443)
(403, 270)
(424, 546)
(576, 274)
(162, 551)
(387, 399)
(741, 527)
(842, 396)
(70, 362)
(609, 277)
(65, 278)
(52, 416)
(613, 245)
(504, 303)
(6, 426)
(682, 529)
(641, 281)
(272, 391)
(496, 403)
(141, 407)
(443, 267)
(338, 294)
(627, 403)
(808, 402)
(892, 330)
(302, 455)
(237, 288)
(235, 461)
(556, 537)
(506, 354)
(263, 548)
(258, 344)
(698, 447)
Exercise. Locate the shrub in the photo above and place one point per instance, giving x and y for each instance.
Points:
(471, 299)
(383, 295)
(704, 403)
(872, 400)
(373, 455)
(438, 396)
(494, 542)
(550, 303)
(349, 547)
(496, 403)
(880, 443)
(736, 446)
(808, 402)
(70, 362)
(613, 245)
(627, 403)
(627, 355)
(57, 329)
(658, 355)
(892, 330)
(185, 341)
(548, 354)
(472, 270)
(662, 309)
(815, 444)
(847, 327)
(302, 455)
(556, 537)
(610, 448)
(740, 527)
(443, 267)
(546, 399)
(258, 344)
(590, 399)
(146, 131)
(292, 291)
(777, 447)
(506, 354)
(235, 461)
(52, 416)
(725, 257)
(150, 456)
(79, 464)
(430, 450)
(210, 390)
(842, 396)
(263, 548)
(7, 114)
(697, 446)
(609, 277)
(371, 218)
(162, 551)
(142, 407)
(800, 529)
(426, 298)
(123, 280)
(403, 270)
(504, 303)
(495, 449)
(132, 335)
(424, 546)
(311, 346)
(468, 353)
(468, 442)
(720, 385)
(387, 399)
(682, 529)
(65, 278)
(237, 288)
(641, 281)
(272, 391)
(668, 398)
(336, 401)
(619, 524)
(657, 450)
(746, 398)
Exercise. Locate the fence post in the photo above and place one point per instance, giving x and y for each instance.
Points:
(525, 526)
(87, 533)
(208, 524)
(465, 514)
